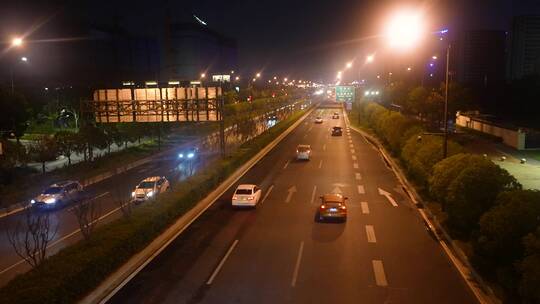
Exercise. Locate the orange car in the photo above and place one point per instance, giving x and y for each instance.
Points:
(333, 207)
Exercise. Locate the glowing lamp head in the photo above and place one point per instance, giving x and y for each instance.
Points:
(405, 30)
(16, 41)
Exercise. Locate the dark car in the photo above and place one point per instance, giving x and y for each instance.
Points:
(337, 131)
(335, 116)
(332, 207)
(189, 154)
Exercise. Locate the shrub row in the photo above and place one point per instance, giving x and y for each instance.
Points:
(76, 270)
(484, 205)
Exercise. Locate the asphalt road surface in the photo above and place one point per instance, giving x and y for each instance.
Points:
(279, 253)
(105, 195)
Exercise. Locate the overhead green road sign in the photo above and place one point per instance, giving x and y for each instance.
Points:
(344, 93)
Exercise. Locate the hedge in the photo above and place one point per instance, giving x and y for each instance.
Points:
(78, 269)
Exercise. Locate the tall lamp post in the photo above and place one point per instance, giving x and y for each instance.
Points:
(16, 42)
(445, 143)
(405, 31)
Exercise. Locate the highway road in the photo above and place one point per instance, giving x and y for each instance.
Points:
(106, 194)
(278, 253)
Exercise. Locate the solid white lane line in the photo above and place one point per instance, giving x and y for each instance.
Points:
(358, 176)
(324, 147)
(310, 128)
(361, 189)
(355, 165)
(297, 266)
(218, 268)
(378, 270)
(365, 207)
(286, 164)
(353, 157)
(313, 194)
(267, 194)
(370, 234)
(320, 164)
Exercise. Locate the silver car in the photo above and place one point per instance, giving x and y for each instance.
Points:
(57, 195)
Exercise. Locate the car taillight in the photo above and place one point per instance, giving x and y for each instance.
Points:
(342, 207)
(323, 206)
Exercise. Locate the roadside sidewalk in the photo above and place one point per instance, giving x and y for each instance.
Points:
(528, 173)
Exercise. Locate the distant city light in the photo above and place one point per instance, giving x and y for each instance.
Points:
(431, 64)
(409, 69)
(258, 75)
(199, 20)
(203, 75)
(434, 57)
(349, 65)
(24, 59)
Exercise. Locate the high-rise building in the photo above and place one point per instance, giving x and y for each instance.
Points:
(480, 57)
(525, 46)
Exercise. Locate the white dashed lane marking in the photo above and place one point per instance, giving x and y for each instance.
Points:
(370, 232)
(365, 207)
(378, 270)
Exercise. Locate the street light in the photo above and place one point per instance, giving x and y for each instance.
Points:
(237, 78)
(203, 75)
(370, 58)
(405, 30)
(17, 41)
(349, 65)
(258, 75)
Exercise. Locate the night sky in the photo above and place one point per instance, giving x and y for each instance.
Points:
(288, 37)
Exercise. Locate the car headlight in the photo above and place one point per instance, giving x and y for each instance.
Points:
(149, 194)
(50, 201)
(180, 155)
(133, 194)
(191, 155)
(32, 201)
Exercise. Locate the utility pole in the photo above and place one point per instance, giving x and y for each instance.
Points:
(445, 143)
(221, 103)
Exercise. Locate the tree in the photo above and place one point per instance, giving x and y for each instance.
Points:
(44, 149)
(422, 153)
(530, 269)
(87, 213)
(93, 137)
(417, 100)
(473, 192)
(446, 171)
(499, 243)
(30, 237)
(15, 113)
(67, 142)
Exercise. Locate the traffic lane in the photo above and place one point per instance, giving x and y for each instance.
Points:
(179, 274)
(413, 261)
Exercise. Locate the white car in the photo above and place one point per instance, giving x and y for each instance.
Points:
(246, 195)
(318, 120)
(149, 188)
(58, 194)
(303, 152)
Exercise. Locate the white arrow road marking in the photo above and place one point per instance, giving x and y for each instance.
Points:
(365, 207)
(357, 176)
(388, 197)
(355, 165)
(337, 190)
(286, 164)
(370, 234)
(290, 193)
(267, 194)
(361, 189)
(313, 194)
(378, 270)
